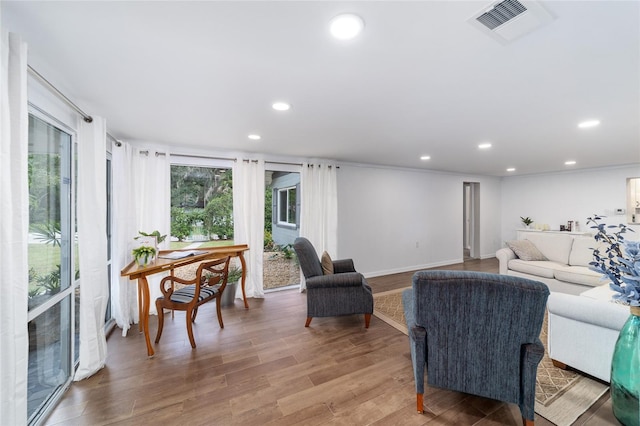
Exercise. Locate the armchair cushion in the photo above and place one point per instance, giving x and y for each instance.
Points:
(327, 263)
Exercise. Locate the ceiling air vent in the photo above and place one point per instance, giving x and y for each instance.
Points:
(501, 13)
(507, 20)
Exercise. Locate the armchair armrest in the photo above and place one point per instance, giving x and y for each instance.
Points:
(343, 265)
(347, 279)
(504, 255)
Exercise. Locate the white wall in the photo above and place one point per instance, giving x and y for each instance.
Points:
(383, 213)
(555, 198)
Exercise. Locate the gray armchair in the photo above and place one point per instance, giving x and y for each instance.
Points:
(476, 333)
(345, 292)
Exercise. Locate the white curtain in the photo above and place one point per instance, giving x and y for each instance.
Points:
(92, 245)
(141, 202)
(152, 185)
(14, 202)
(248, 220)
(319, 205)
(124, 295)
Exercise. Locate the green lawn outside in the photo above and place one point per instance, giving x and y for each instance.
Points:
(43, 258)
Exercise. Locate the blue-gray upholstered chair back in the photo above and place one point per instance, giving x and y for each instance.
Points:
(476, 333)
(345, 292)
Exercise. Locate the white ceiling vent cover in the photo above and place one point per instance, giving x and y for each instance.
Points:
(508, 20)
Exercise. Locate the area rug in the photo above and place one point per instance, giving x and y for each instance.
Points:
(561, 395)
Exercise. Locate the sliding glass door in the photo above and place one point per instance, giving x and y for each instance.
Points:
(52, 276)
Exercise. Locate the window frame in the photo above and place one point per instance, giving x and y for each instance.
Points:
(287, 209)
(68, 294)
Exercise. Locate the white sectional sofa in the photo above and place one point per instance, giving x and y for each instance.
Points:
(583, 330)
(583, 322)
(566, 268)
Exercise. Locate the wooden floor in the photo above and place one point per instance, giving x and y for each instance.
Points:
(265, 367)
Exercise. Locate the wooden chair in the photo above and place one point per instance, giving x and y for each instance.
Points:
(208, 284)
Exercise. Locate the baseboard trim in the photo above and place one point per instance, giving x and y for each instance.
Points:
(412, 268)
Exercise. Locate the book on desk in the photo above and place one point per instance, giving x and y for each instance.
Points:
(181, 254)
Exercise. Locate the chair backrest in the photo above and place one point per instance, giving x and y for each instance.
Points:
(213, 272)
(308, 258)
(476, 324)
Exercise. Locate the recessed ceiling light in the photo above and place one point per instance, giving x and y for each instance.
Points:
(511, 169)
(589, 123)
(254, 137)
(569, 163)
(346, 26)
(425, 157)
(281, 106)
(484, 146)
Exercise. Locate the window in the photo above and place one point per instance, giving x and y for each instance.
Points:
(51, 247)
(201, 206)
(287, 199)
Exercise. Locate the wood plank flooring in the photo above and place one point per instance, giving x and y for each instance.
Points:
(266, 368)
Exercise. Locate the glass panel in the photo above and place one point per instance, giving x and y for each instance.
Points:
(51, 273)
(291, 206)
(201, 206)
(49, 173)
(49, 343)
(282, 206)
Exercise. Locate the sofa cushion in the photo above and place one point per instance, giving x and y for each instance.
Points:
(525, 250)
(539, 268)
(582, 251)
(578, 275)
(555, 247)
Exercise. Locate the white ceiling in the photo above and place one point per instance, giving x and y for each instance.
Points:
(420, 80)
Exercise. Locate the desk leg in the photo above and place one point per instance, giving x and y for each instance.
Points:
(143, 287)
(140, 327)
(244, 276)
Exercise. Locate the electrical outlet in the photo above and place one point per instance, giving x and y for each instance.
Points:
(417, 244)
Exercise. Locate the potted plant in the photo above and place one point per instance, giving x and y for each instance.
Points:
(147, 246)
(229, 295)
(619, 262)
(159, 238)
(144, 254)
(527, 221)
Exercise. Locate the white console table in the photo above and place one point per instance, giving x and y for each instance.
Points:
(521, 233)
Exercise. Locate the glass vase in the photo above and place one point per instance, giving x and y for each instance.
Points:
(625, 372)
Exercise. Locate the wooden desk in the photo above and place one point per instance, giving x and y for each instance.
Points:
(134, 271)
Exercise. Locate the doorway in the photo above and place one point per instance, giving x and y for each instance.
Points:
(471, 220)
(282, 227)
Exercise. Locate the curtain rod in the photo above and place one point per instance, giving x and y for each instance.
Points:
(61, 95)
(222, 158)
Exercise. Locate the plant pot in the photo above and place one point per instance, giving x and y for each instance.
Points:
(229, 294)
(625, 372)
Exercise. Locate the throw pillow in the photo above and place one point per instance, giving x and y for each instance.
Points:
(327, 264)
(525, 250)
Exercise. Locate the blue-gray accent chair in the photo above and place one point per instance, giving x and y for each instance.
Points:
(345, 292)
(476, 333)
